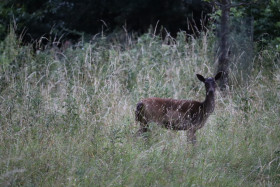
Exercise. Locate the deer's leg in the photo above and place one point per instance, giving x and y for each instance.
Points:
(143, 128)
(191, 136)
(140, 117)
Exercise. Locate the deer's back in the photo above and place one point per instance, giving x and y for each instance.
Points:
(172, 113)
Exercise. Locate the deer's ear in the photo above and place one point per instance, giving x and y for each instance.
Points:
(218, 76)
(200, 77)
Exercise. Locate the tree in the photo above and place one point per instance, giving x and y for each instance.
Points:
(224, 44)
(224, 61)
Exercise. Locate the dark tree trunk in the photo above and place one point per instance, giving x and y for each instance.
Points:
(224, 62)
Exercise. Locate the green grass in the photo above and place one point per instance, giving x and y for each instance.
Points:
(67, 117)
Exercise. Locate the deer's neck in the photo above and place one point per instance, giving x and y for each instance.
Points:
(209, 103)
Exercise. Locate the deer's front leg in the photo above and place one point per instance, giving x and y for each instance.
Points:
(191, 136)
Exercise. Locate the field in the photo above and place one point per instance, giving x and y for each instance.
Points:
(67, 117)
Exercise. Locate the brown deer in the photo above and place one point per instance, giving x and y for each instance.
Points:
(176, 114)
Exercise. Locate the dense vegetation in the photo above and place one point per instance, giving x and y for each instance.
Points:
(67, 117)
(75, 19)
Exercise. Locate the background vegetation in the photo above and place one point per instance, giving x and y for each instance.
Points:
(72, 19)
(67, 117)
(75, 18)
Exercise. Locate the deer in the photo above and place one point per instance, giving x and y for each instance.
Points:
(174, 114)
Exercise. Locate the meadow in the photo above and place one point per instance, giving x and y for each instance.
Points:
(67, 116)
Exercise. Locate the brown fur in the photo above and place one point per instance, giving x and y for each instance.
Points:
(178, 114)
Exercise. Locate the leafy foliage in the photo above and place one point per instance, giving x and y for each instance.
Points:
(267, 23)
(265, 15)
(75, 17)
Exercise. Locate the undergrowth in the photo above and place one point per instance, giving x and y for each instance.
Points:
(67, 117)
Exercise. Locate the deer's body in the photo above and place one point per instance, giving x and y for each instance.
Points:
(178, 114)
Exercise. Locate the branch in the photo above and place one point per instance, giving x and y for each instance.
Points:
(218, 4)
(241, 4)
(222, 5)
(227, 6)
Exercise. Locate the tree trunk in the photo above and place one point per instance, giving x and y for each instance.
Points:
(224, 62)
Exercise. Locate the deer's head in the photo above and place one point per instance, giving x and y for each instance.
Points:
(210, 83)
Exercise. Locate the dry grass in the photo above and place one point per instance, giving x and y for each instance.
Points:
(67, 118)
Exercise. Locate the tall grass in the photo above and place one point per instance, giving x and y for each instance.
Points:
(67, 117)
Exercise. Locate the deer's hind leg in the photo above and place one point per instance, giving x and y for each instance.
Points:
(191, 136)
(144, 127)
(140, 117)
